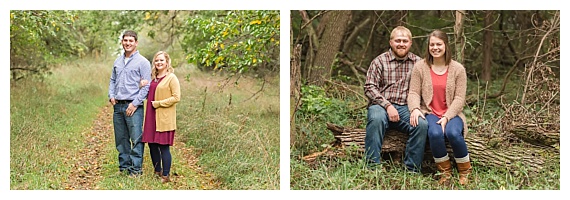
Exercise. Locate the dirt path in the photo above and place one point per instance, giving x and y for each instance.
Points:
(87, 167)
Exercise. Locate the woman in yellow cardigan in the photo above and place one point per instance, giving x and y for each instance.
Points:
(437, 94)
(160, 118)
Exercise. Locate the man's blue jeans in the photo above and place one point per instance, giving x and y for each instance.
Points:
(128, 136)
(376, 129)
(453, 133)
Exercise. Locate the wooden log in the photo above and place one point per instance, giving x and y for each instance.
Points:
(535, 134)
(481, 150)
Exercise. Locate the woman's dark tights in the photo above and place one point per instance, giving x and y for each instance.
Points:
(158, 153)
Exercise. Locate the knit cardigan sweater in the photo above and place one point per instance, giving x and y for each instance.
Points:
(421, 90)
(166, 96)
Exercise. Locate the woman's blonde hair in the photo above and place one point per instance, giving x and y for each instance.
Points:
(154, 71)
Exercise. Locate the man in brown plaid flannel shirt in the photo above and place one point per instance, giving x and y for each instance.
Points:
(387, 84)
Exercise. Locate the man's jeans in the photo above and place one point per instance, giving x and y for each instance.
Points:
(128, 136)
(376, 129)
(453, 133)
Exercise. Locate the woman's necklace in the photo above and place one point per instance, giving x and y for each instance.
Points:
(439, 70)
(158, 76)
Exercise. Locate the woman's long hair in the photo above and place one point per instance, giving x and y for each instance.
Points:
(442, 36)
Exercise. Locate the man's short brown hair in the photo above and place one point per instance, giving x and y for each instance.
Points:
(130, 33)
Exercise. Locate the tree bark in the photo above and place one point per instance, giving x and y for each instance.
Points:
(333, 25)
(481, 150)
(534, 134)
(487, 47)
(459, 39)
(295, 89)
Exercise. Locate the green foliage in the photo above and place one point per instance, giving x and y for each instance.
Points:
(99, 30)
(40, 37)
(238, 41)
(315, 102)
(318, 108)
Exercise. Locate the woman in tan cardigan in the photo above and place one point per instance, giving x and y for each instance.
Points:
(160, 118)
(437, 94)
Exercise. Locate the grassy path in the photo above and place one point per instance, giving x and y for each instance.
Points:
(90, 169)
(86, 171)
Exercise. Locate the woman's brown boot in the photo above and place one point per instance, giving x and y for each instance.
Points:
(165, 179)
(158, 174)
(464, 171)
(445, 170)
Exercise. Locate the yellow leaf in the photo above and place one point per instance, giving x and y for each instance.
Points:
(222, 45)
(11, 15)
(254, 60)
(255, 22)
(146, 16)
(272, 39)
(224, 33)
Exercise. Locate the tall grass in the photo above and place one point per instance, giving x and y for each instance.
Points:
(235, 132)
(48, 120)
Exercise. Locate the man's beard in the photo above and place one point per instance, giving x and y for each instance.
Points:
(401, 52)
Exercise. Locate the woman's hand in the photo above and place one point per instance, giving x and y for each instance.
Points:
(443, 121)
(414, 117)
(143, 83)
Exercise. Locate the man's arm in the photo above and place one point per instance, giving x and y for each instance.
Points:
(143, 92)
(371, 87)
(112, 86)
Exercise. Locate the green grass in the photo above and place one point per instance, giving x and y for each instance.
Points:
(345, 174)
(238, 142)
(47, 121)
(236, 145)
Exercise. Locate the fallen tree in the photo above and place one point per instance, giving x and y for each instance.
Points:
(483, 151)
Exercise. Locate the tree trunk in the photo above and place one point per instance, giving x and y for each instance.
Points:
(295, 89)
(487, 46)
(333, 25)
(481, 150)
(459, 39)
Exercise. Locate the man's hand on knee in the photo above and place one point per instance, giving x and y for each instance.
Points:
(393, 115)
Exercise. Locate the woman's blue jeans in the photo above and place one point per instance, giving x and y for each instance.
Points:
(128, 136)
(376, 129)
(453, 133)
